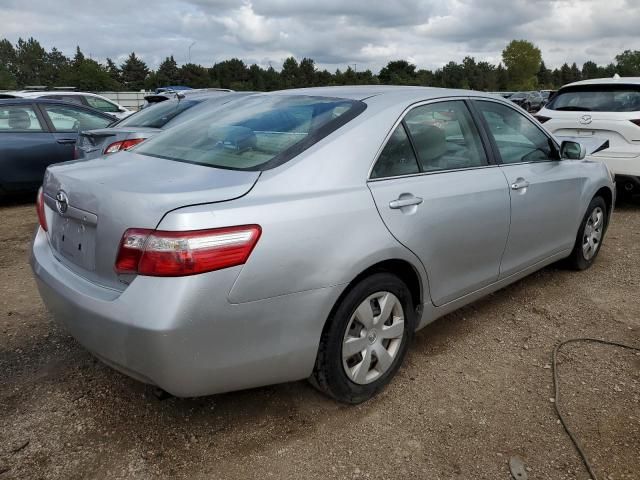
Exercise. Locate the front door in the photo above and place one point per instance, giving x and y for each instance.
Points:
(441, 199)
(545, 191)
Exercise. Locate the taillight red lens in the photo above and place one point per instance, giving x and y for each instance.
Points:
(637, 122)
(173, 254)
(42, 218)
(123, 145)
(542, 118)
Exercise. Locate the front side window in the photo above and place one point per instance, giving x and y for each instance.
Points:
(597, 98)
(19, 118)
(102, 105)
(445, 137)
(70, 119)
(518, 139)
(397, 157)
(254, 133)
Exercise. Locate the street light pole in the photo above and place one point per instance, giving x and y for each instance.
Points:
(190, 51)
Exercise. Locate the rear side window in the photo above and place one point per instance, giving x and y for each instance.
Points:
(102, 105)
(397, 157)
(70, 119)
(254, 133)
(65, 98)
(445, 137)
(157, 115)
(597, 98)
(19, 118)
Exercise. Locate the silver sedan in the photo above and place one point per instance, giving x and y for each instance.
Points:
(308, 234)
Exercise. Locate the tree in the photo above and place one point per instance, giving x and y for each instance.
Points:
(168, 72)
(30, 61)
(195, 76)
(628, 63)
(543, 77)
(522, 59)
(8, 65)
(113, 71)
(398, 72)
(290, 73)
(590, 70)
(306, 73)
(134, 72)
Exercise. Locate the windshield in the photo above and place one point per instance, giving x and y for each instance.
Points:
(158, 115)
(518, 95)
(597, 98)
(254, 133)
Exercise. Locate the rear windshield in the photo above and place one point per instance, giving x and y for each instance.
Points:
(597, 98)
(157, 115)
(253, 133)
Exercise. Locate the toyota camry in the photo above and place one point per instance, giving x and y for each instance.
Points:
(308, 234)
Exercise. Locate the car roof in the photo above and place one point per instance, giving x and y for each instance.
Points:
(616, 80)
(19, 101)
(384, 94)
(40, 93)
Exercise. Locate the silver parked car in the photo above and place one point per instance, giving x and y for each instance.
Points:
(308, 234)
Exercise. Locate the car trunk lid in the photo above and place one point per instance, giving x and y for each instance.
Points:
(93, 143)
(97, 201)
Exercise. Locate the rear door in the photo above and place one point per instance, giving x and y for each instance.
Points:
(66, 122)
(440, 197)
(545, 191)
(25, 146)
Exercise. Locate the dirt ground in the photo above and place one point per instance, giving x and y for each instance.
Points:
(475, 390)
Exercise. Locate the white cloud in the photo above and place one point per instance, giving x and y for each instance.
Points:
(334, 33)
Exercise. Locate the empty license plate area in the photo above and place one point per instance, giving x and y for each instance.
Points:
(75, 240)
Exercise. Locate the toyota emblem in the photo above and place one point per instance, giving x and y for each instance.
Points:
(585, 119)
(62, 202)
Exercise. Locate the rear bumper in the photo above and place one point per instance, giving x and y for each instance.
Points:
(182, 334)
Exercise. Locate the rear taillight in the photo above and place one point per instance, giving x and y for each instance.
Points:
(172, 254)
(637, 122)
(542, 118)
(42, 219)
(123, 145)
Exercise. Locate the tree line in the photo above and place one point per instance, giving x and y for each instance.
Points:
(27, 63)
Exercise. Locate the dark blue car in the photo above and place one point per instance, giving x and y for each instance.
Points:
(35, 133)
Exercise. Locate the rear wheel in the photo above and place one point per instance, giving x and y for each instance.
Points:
(365, 340)
(590, 235)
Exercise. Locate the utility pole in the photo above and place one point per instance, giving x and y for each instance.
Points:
(190, 51)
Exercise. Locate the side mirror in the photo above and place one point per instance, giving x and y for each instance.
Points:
(572, 150)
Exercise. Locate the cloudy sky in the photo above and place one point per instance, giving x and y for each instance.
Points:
(334, 33)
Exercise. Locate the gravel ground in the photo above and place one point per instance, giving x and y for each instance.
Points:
(475, 390)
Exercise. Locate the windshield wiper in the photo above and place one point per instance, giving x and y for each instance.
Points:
(574, 109)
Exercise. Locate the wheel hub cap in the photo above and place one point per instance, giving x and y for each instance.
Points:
(373, 337)
(592, 234)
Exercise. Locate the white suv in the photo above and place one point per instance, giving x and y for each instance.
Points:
(606, 109)
(82, 98)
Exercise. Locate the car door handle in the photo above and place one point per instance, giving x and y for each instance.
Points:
(404, 202)
(65, 141)
(519, 184)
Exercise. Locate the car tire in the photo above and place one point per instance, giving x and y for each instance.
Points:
(590, 235)
(358, 324)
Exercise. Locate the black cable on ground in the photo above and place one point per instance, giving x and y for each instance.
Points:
(556, 392)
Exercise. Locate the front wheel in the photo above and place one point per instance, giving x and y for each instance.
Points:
(590, 235)
(365, 340)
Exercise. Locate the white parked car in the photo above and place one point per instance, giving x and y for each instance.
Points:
(604, 111)
(82, 98)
